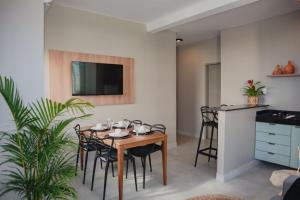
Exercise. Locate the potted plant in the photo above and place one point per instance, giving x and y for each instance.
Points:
(253, 90)
(38, 153)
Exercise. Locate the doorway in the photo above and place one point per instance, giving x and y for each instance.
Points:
(213, 89)
(213, 84)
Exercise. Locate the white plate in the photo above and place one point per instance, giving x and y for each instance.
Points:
(120, 134)
(99, 129)
(145, 131)
(119, 125)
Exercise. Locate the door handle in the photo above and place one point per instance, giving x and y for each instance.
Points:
(270, 143)
(271, 153)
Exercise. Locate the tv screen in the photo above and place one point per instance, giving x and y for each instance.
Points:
(96, 79)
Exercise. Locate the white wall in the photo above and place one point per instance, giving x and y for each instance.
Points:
(252, 51)
(21, 54)
(155, 61)
(21, 49)
(191, 83)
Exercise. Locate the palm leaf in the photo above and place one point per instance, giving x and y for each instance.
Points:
(39, 152)
(12, 97)
(45, 110)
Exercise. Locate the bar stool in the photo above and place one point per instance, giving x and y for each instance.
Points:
(209, 119)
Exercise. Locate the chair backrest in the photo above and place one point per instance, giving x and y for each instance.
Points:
(82, 138)
(148, 126)
(126, 120)
(135, 122)
(104, 146)
(159, 128)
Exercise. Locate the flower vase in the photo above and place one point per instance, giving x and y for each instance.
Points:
(253, 100)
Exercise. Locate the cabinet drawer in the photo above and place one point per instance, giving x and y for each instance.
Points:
(273, 158)
(273, 148)
(274, 128)
(273, 138)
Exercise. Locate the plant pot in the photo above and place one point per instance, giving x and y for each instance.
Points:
(253, 100)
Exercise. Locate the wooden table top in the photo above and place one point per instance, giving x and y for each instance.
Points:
(132, 140)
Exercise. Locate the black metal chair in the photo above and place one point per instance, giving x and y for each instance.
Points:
(132, 123)
(209, 119)
(157, 128)
(109, 155)
(147, 150)
(86, 144)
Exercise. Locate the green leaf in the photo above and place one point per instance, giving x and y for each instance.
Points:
(40, 151)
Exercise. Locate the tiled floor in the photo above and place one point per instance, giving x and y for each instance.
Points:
(184, 180)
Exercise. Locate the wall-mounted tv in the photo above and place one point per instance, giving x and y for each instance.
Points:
(96, 79)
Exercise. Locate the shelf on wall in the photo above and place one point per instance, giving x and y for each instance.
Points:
(284, 75)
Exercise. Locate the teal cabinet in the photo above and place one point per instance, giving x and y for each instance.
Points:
(273, 143)
(277, 143)
(295, 143)
(279, 129)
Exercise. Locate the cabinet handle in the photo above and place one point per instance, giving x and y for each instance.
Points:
(270, 143)
(272, 134)
(271, 153)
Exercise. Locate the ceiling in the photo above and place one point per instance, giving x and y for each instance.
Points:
(192, 20)
(141, 11)
(211, 26)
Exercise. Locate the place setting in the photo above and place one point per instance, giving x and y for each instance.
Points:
(117, 130)
(100, 127)
(140, 130)
(121, 129)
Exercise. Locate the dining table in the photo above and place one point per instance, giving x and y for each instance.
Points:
(132, 140)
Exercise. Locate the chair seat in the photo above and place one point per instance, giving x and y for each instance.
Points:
(144, 150)
(113, 156)
(88, 147)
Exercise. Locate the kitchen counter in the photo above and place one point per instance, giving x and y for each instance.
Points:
(279, 117)
(241, 107)
(236, 140)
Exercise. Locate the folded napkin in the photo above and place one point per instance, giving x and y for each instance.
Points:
(142, 129)
(117, 130)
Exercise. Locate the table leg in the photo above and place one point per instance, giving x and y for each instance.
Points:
(164, 160)
(120, 171)
(81, 158)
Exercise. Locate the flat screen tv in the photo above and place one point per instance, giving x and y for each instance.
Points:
(96, 79)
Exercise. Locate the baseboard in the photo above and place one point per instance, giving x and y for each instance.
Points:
(195, 135)
(236, 172)
(180, 132)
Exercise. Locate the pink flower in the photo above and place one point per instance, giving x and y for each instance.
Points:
(250, 82)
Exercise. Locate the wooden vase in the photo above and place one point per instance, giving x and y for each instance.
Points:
(253, 100)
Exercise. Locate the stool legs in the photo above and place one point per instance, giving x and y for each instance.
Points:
(210, 148)
(199, 142)
(210, 145)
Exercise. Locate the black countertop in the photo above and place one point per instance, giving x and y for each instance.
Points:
(241, 107)
(279, 117)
